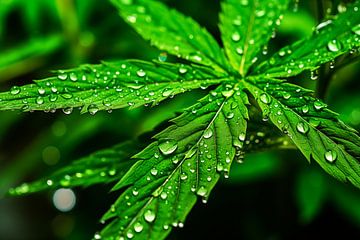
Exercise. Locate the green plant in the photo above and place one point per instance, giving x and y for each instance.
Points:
(186, 159)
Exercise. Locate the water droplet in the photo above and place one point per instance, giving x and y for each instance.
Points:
(62, 76)
(242, 137)
(73, 77)
(305, 109)
(131, 18)
(141, 73)
(227, 93)
(15, 90)
(314, 75)
(230, 115)
(334, 46)
(41, 91)
(286, 95)
(154, 171)
(260, 13)
(40, 100)
(163, 195)
(322, 25)
(93, 109)
(208, 133)
(67, 110)
(235, 37)
(202, 191)
(318, 105)
(302, 127)
(138, 227)
(49, 182)
(162, 57)
(97, 236)
(183, 70)
(265, 98)
(129, 234)
(330, 156)
(239, 50)
(149, 216)
(168, 146)
(167, 92)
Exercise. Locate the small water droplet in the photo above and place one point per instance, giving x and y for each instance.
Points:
(305, 109)
(168, 146)
(162, 57)
(182, 70)
(318, 105)
(330, 156)
(149, 216)
(154, 171)
(62, 76)
(141, 73)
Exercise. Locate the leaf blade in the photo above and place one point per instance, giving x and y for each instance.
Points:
(192, 42)
(314, 129)
(108, 86)
(164, 184)
(240, 24)
(330, 39)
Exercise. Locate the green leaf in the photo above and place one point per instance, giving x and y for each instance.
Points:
(246, 28)
(109, 86)
(172, 32)
(184, 162)
(104, 166)
(314, 129)
(331, 38)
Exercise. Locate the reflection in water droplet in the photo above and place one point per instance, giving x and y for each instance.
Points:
(149, 216)
(168, 146)
(302, 127)
(330, 156)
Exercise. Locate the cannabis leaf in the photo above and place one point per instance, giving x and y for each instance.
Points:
(108, 86)
(186, 159)
(104, 166)
(245, 27)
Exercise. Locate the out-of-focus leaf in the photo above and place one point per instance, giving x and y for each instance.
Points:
(311, 192)
(330, 39)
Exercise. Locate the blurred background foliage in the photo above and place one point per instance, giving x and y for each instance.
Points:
(272, 195)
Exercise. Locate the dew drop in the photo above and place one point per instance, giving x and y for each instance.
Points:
(330, 156)
(67, 110)
(334, 46)
(208, 133)
(15, 90)
(154, 171)
(41, 91)
(162, 57)
(182, 70)
(235, 37)
(149, 216)
(138, 227)
(265, 98)
(318, 105)
(93, 109)
(305, 109)
(302, 128)
(62, 76)
(201, 191)
(168, 146)
(141, 73)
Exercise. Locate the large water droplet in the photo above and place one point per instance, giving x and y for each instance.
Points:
(334, 46)
(208, 133)
(302, 127)
(265, 98)
(168, 146)
(141, 73)
(15, 90)
(93, 109)
(330, 156)
(201, 191)
(149, 216)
